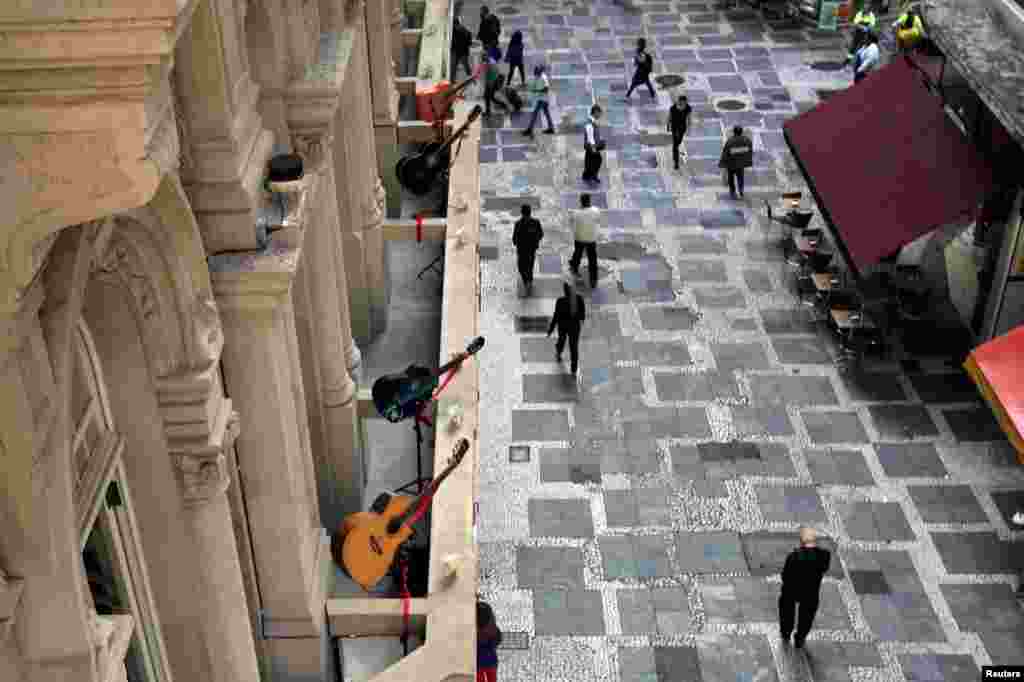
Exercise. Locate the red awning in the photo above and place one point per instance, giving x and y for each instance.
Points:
(997, 367)
(885, 163)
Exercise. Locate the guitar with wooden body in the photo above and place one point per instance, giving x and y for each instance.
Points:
(399, 396)
(419, 172)
(368, 541)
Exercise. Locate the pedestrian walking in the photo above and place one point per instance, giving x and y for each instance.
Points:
(866, 59)
(801, 584)
(644, 64)
(492, 80)
(863, 24)
(678, 122)
(462, 40)
(539, 88)
(490, 28)
(909, 31)
(737, 155)
(593, 145)
(488, 637)
(526, 237)
(514, 56)
(568, 318)
(584, 228)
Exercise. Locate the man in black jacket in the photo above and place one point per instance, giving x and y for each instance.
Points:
(462, 40)
(490, 28)
(801, 583)
(644, 65)
(526, 238)
(678, 122)
(569, 316)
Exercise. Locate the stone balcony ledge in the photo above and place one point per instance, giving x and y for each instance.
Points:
(976, 37)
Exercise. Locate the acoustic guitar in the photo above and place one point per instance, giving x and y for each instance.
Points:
(399, 396)
(419, 172)
(370, 540)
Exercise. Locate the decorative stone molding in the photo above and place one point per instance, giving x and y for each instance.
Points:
(10, 596)
(375, 205)
(312, 147)
(205, 473)
(207, 334)
(164, 148)
(121, 262)
(354, 10)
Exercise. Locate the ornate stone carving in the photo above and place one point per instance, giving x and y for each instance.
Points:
(375, 206)
(119, 261)
(205, 475)
(165, 146)
(313, 150)
(354, 10)
(207, 333)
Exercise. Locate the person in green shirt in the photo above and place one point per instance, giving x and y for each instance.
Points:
(539, 88)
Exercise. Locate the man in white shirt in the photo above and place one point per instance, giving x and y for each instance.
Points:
(593, 145)
(585, 222)
(867, 59)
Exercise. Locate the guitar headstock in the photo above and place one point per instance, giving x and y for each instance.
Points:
(475, 113)
(474, 347)
(460, 450)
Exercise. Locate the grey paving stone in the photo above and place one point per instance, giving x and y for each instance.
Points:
(873, 386)
(734, 450)
(834, 427)
(787, 321)
(721, 603)
(568, 612)
(790, 504)
(671, 610)
(724, 658)
(955, 387)
(668, 319)
(938, 667)
(621, 508)
(906, 460)
(677, 663)
(801, 351)
(720, 297)
(634, 557)
(761, 421)
(766, 552)
(984, 607)
(902, 421)
(549, 567)
(710, 553)
(540, 425)
(869, 582)
(946, 504)
(977, 553)
(564, 465)
(770, 389)
(758, 281)
(698, 244)
(973, 424)
(550, 388)
(733, 356)
(636, 664)
(838, 467)
(686, 462)
(560, 518)
(701, 271)
(661, 353)
(526, 324)
(536, 350)
(845, 654)
(696, 387)
(1005, 647)
(1009, 502)
(636, 612)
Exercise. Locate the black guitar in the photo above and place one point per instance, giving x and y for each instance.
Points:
(399, 396)
(418, 173)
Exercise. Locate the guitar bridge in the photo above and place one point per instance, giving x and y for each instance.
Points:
(375, 546)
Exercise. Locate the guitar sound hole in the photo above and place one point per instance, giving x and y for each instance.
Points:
(393, 526)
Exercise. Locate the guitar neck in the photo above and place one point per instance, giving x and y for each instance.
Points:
(431, 489)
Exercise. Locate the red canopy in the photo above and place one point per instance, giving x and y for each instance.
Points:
(885, 163)
(997, 367)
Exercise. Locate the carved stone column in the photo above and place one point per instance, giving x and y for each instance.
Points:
(204, 482)
(396, 31)
(253, 292)
(339, 471)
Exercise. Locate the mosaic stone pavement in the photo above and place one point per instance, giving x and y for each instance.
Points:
(633, 521)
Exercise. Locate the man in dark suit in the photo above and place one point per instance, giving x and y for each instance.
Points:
(569, 316)
(490, 28)
(526, 238)
(801, 584)
(462, 40)
(737, 155)
(678, 122)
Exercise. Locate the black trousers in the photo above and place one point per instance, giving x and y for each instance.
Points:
(735, 180)
(573, 335)
(461, 60)
(591, 164)
(677, 139)
(541, 106)
(639, 80)
(526, 259)
(577, 256)
(787, 610)
(512, 67)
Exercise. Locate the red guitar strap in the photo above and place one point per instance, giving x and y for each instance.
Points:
(419, 227)
(447, 380)
(406, 606)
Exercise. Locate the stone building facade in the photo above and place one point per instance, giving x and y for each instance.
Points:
(178, 411)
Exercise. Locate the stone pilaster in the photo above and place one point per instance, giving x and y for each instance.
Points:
(204, 472)
(253, 292)
(380, 38)
(396, 30)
